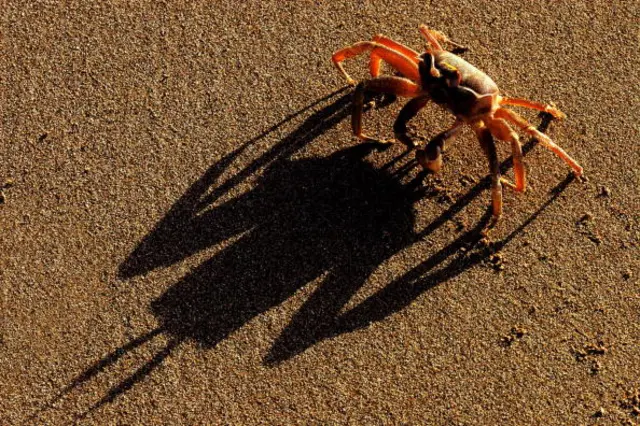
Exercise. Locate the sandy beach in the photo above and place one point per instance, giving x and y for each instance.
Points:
(191, 234)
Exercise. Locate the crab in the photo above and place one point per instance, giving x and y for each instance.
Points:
(459, 87)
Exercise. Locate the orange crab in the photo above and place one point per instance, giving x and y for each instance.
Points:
(450, 81)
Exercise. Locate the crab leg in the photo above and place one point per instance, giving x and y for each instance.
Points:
(403, 64)
(489, 148)
(533, 105)
(375, 59)
(407, 113)
(501, 130)
(394, 85)
(435, 37)
(431, 157)
(544, 139)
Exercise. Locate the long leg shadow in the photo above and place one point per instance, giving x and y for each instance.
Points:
(308, 327)
(185, 230)
(189, 227)
(335, 218)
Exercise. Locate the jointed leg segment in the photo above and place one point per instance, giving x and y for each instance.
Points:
(435, 37)
(431, 157)
(407, 113)
(533, 105)
(393, 85)
(501, 130)
(489, 148)
(541, 137)
(375, 60)
(407, 66)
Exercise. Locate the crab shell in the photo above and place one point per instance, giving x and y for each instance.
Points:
(475, 94)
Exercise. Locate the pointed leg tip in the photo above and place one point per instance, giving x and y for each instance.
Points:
(555, 112)
(490, 225)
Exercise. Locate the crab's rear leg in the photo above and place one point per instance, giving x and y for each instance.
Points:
(541, 137)
(555, 112)
(489, 148)
(392, 85)
(403, 64)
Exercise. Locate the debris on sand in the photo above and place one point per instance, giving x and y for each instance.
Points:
(630, 402)
(587, 226)
(605, 192)
(467, 180)
(586, 218)
(590, 354)
(517, 333)
(6, 185)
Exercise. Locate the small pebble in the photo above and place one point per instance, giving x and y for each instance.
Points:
(596, 349)
(596, 239)
(587, 217)
(605, 191)
(600, 413)
(518, 331)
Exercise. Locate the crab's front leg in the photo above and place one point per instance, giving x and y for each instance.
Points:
(392, 85)
(375, 60)
(489, 148)
(406, 66)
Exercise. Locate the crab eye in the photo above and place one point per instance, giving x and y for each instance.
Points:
(425, 66)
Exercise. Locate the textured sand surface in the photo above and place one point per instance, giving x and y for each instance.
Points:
(191, 234)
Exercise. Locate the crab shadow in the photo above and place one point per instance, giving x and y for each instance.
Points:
(334, 219)
(329, 220)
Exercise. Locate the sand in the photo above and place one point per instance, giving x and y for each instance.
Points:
(192, 235)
